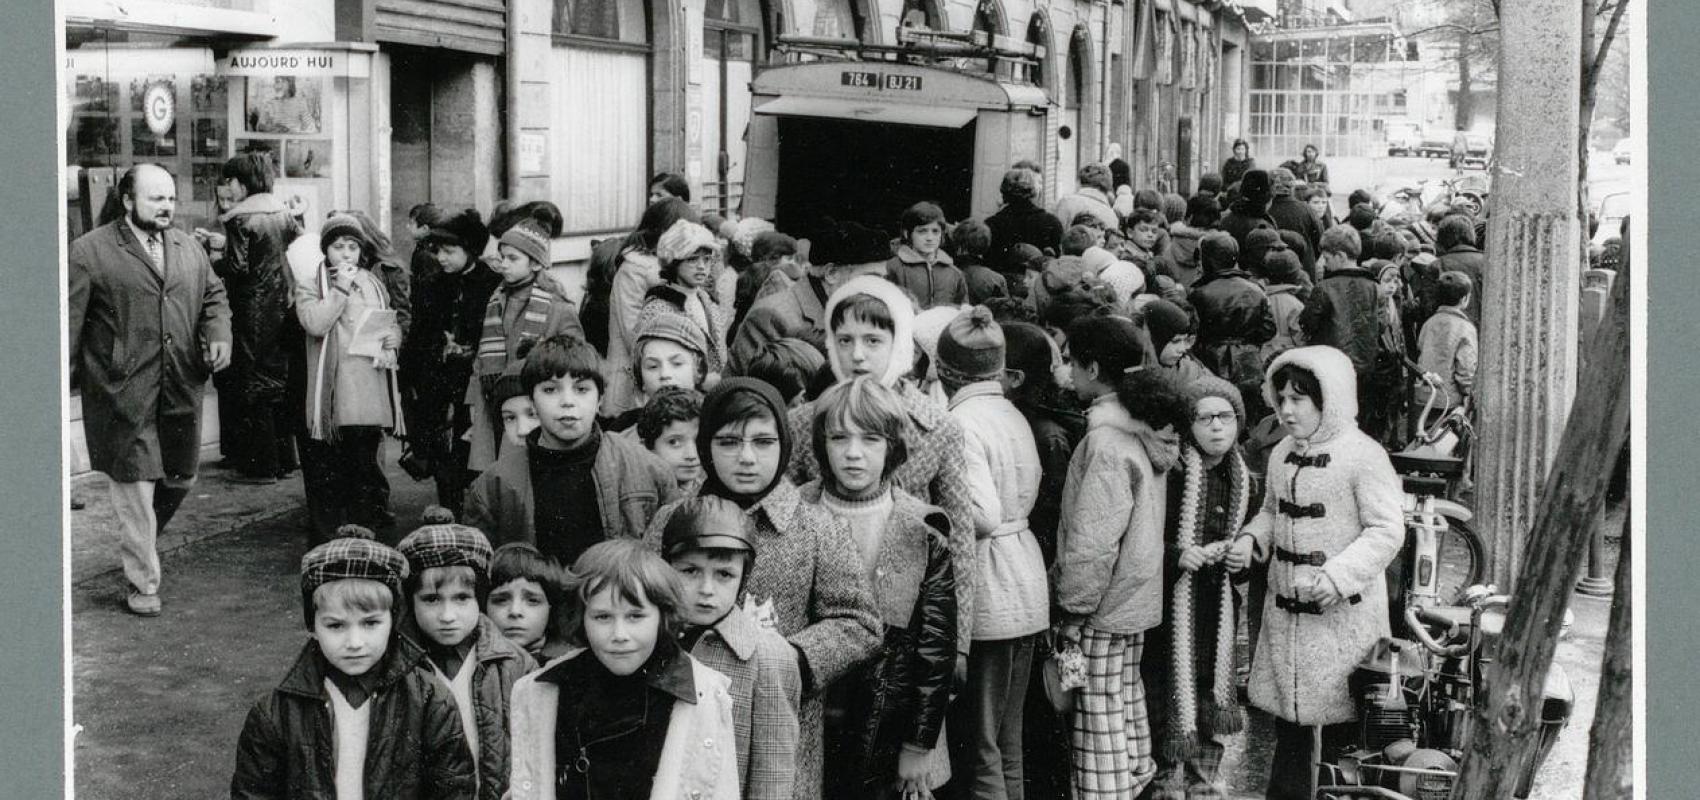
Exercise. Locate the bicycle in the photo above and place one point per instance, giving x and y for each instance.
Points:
(1443, 555)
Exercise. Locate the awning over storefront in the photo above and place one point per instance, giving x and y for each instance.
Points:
(868, 111)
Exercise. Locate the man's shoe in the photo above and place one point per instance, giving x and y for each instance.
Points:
(143, 605)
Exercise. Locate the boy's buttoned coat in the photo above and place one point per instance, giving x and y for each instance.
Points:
(1303, 660)
(808, 568)
(766, 694)
(136, 344)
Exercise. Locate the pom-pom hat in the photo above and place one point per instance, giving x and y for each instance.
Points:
(971, 347)
(442, 542)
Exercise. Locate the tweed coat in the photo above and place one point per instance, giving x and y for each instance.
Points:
(136, 343)
(696, 761)
(807, 566)
(766, 693)
(1303, 660)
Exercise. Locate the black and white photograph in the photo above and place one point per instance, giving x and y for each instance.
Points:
(842, 399)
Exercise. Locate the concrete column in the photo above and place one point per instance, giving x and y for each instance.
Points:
(1534, 262)
(532, 109)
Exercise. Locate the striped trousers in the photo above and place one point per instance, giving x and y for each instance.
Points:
(1111, 733)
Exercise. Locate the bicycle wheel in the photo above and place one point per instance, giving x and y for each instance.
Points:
(1463, 559)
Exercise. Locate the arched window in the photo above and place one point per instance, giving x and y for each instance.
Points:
(838, 19)
(986, 17)
(921, 14)
(1038, 33)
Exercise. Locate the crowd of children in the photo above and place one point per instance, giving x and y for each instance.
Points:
(770, 518)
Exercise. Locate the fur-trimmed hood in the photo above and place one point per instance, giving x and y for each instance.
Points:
(902, 320)
(1339, 383)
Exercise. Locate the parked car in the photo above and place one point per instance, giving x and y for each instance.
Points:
(1435, 144)
(1404, 138)
(1620, 152)
(1611, 211)
(1478, 148)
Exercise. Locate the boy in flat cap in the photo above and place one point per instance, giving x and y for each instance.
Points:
(356, 716)
(447, 585)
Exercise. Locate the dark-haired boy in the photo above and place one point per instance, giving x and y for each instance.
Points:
(570, 486)
(667, 426)
(447, 584)
(708, 544)
(921, 265)
(358, 715)
(1447, 348)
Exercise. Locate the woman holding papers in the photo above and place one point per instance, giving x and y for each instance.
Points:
(352, 394)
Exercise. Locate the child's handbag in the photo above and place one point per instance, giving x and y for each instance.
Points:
(1062, 673)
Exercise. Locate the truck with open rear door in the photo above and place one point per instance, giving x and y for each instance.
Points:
(860, 133)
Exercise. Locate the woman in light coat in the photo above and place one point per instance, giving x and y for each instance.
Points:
(1330, 523)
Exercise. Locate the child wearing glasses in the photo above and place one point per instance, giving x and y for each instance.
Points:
(807, 581)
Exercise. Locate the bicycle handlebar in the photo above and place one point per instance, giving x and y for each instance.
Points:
(1415, 617)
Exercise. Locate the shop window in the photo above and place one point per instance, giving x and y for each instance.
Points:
(611, 20)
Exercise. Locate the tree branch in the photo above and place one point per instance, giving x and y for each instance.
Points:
(1599, 59)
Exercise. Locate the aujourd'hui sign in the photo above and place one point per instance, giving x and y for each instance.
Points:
(333, 63)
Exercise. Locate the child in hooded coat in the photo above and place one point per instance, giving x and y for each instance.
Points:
(1332, 493)
(806, 581)
(934, 469)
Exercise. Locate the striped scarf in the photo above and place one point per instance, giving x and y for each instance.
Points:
(493, 343)
(1222, 714)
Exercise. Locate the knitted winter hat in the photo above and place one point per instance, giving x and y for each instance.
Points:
(683, 240)
(1281, 182)
(354, 554)
(527, 238)
(1218, 252)
(676, 328)
(745, 232)
(1282, 266)
(1095, 259)
(929, 328)
(442, 542)
(1164, 321)
(340, 225)
(1208, 385)
(972, 347)
(851, 243)
(706, 522)
(509, 385)
(465, 230)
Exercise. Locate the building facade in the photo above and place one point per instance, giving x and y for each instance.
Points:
(1320, 77)
(383, 104)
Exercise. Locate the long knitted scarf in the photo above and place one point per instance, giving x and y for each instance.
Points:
(1221, 713)
(493, 343)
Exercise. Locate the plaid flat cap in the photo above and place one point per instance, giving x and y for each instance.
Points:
(349, 557)
(446, 545)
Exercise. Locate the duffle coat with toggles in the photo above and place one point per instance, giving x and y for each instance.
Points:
(1333, 507)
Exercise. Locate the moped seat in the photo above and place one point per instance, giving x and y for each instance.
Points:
(1427, 464)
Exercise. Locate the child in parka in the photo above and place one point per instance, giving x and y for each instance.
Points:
(1331, 521)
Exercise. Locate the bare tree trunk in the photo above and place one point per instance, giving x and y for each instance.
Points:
(1505, 728)
(1594, 57)
(1611, 744)
(1465, 110)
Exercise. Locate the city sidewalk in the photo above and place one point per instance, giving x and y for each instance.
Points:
(160, 701)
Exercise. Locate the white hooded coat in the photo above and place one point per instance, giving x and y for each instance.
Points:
(1303, 660)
